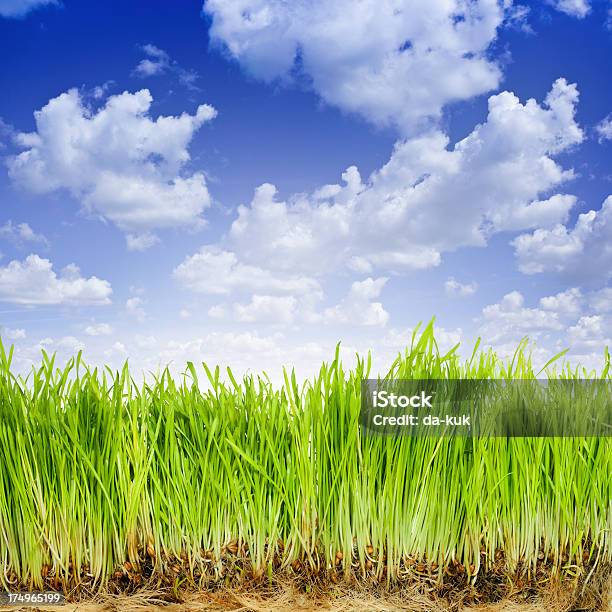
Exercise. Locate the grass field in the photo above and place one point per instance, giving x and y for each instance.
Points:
(105, 480)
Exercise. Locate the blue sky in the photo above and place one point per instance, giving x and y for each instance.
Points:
(250, 182)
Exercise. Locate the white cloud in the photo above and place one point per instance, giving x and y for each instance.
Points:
(233, 349)
(560, 322)
(455, 288)
(119, 162)
(20, 8)
(21, 233)
(568, 302)
(184, 313)
(604, 128)
(7, 132)
(392, 61)
(582, 252)
(489, 182)
(589, 333)
(134, 307)
(146, 342)
(12, 334)
(34, 281)
(117, 349)
(141, 242)
(267, 309)
(157, 62)
(214, 271)
(508, 320)
(216, 312)
(358, 307)
(99, 329)
(601, 301)
(574, 8)
(517, 16)
(69, 344)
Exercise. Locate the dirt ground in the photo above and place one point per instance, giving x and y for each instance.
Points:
(340, 600)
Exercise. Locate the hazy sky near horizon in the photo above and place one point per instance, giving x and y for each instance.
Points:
(249, 182)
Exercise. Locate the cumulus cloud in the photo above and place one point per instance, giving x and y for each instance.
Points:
(214, 271)
(589, 333)
(20, 8)
(12, 334)
(393, 62)
(573, 8)
(604, 128)
(117, 349)
(134, 307)
(567, 320)
(99, 329)
(267, 309)
(601, 301)
(581, 252)
(455, 288)
(141, 242)
(20, 233)
(509, 320)
(33, 281)
(118, 161)
(568, 302)
(359, 307)
(157, 62)
(491, 181)
(216, 312)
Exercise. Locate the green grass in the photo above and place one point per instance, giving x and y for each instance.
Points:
(94, 467)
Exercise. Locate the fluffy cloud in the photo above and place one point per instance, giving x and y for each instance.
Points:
(119, 162)
(567, 302)
(604, 128)
(358, 307)
(393, 62)
(99, 329)
(216, 312)
(158, 62)
(581, 252)
(491, 181)
(12, 334)
(20, 8)
(34, 281)
(134, 307)
(508, 320)
(21, 233)
(141, 242)
(455, 288)
(589, 333)
(116, 350)
(574, 8)
(215, 271)
(267, 309)
(562, 321)
(601, 301)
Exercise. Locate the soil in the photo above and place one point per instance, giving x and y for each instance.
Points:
(553, 597)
